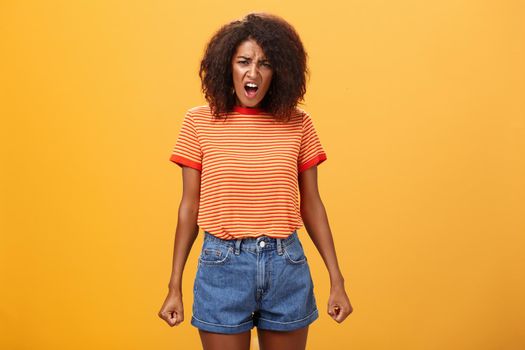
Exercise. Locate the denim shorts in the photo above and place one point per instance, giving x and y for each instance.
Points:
(258, 282)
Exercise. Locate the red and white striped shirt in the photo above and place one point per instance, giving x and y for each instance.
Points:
(249, 167)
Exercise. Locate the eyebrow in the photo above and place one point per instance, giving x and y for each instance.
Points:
(249, 59)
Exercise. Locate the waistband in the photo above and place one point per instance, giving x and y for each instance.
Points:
(254, 243)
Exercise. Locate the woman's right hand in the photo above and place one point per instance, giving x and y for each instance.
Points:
(172, 311)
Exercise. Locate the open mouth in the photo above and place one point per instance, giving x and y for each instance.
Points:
(251, 89)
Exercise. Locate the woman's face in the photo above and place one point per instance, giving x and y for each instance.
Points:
(249, 65)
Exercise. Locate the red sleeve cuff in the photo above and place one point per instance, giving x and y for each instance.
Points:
(181, 161)
(314, 161)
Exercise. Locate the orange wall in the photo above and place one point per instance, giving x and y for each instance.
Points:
(419, 105)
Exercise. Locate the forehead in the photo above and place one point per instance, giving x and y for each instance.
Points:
(249, 48)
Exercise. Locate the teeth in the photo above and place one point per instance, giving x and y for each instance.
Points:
(251, 85)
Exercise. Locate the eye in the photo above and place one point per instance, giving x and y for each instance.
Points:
(243, 62)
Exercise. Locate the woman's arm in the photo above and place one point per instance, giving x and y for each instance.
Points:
(316, 223)
(172, 310)
(187, 229)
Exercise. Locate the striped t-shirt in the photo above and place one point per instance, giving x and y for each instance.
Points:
(249, 167)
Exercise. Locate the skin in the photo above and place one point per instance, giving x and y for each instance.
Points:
(250, 64)
(313, 214)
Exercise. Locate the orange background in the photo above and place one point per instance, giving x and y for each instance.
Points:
(419, 105)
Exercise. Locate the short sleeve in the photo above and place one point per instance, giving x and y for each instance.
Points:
(311, 152)
(187, 150)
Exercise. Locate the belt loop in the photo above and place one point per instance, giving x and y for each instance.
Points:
(237, 246)
(279, 246)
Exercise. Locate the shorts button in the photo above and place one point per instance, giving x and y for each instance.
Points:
(262, 244)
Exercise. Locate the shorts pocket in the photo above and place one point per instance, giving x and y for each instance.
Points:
(215, 254)
(294, 253)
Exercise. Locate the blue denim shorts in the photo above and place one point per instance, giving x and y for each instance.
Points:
(258, 282)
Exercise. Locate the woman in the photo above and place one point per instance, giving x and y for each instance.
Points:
(245, 157)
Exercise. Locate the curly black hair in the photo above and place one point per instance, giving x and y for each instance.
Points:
(282, 47)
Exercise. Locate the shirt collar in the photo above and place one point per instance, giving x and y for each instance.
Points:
(247, 110)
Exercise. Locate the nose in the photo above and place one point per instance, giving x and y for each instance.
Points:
(252, 71)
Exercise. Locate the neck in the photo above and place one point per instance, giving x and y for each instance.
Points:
(247, 110)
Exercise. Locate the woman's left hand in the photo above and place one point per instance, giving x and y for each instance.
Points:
(339, 306)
